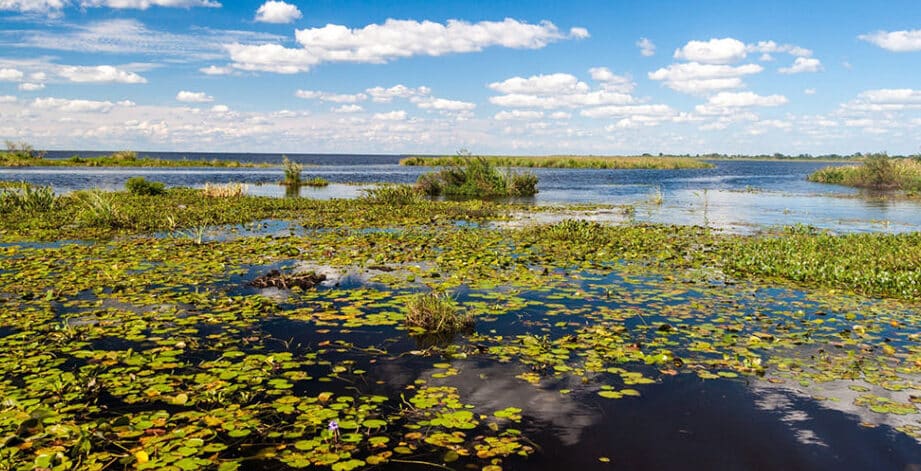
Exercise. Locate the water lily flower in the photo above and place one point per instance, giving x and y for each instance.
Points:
(333, 426)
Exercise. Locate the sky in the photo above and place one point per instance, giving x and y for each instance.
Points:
(491, 77)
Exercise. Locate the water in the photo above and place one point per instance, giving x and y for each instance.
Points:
(738, 196)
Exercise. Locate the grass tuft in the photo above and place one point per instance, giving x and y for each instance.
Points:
(436, 313)
(292, 172)
(224, 190)
(394, 195)
(476, 177)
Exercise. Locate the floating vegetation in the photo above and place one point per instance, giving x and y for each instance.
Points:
(276, 279)
(27, 157)
(147, 352)
(571, 161)
(225, 190)
(315, 182)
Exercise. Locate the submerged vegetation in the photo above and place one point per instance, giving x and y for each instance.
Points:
(476, 177)
(877, 171)
(570, 161)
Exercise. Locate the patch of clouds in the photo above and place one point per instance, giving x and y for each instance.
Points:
(802, 64)
(698, 78)
(394, 39)
(647, 47)
(99, 74)
(31, 87)
(277, 12)
(215, 70)
(347, 109)
(332, 97)
(11, 75)
(885, 100)
(398, 115)
(386, 95)
(725, 103)
(714, 51)
(554, 91)
(895, 41)
(145, 4)
(73, 106)
(186, 96)
(518, 115)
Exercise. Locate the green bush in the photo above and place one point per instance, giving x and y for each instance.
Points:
(476, 177)
(141, 186)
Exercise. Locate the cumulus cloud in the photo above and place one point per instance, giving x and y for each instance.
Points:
(610, 81)
(895, 41)
(398, 115)
(193, 97)
(394, 39)
(73, 106)
(647, 48)
(885, 99)
(554, 91)
(215, 70)
(99, 74)
(386, 95)
(7, 99)
(518, 115)
(32, 6)
(724, 103)
(347, 109)
(333, 97)
(277, 12)
(714, 51)
(541, 84)
(10, 75)
(145, 4)
(31, 87)
(802, 64)
(696, 78)
(442, 104)
(769, 47)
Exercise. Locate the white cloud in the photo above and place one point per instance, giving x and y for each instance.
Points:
(399, 115)
(333, 97)
(895, 41)
(809, 91)
(518, 114)
(885, 99)
(647, 48)
(271, 58)
(386, 95)
(802, 64)
(99, 74)
(277, 12)
(347, 109)
(714, 51)
(32, 6)
(7, 99)
(659, 112)
(725, 103)
(380, 43)
(769, 47)
(10, 75)
(612, 82)
(145, 4)
(442, 104)
(215, 70)
(220, 109)
(541, 84)
(72, 106)
(560, 115)
(695, 78)
(558, 91)
(31, 87)
(578, 33)
(193, 97)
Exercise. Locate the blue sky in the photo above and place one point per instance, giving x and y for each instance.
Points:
(433, 77)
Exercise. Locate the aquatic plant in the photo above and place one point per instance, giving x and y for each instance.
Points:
(24, 197)
(878, 171)
(657, 197)
(435, 313)
(100, 209)
(224, 190)
(292, 171)
(394, 195)
(476, 177)
(315, 182)
(142, 186)
(572, 161)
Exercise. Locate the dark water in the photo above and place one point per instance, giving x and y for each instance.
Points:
(740, 196)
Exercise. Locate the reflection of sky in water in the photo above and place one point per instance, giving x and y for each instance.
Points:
(740, 196)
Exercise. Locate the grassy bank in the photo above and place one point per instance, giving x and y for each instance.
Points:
(569, 161)
(117, 159)
(875, 172)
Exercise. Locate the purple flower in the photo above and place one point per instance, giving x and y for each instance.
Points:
(333, 426)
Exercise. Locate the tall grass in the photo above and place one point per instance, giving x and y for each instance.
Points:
(226, 190)
(436, 313)
(574, 161)
(292, 172)
(877, 171)
(28, 198)
(393, 195)
(100, 209)
(476, 177)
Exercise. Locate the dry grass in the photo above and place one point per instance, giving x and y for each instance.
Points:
(224, 190)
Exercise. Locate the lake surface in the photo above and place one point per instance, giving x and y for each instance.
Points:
(738, 196)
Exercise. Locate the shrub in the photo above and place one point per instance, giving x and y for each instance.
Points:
(141, 186)
(395, 195)
(227, 190)
(436, 313)
(879, 171)
(476, 177)
(292, 172)
(25, 197)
